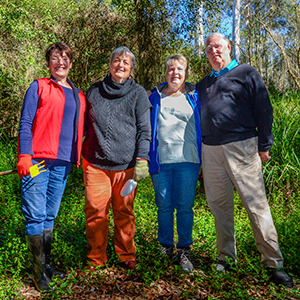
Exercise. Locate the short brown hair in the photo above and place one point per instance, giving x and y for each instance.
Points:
(61, 47)
(177, 57)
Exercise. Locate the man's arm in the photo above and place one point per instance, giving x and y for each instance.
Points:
(263, 111)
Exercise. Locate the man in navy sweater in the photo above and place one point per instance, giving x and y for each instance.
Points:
(236, 122)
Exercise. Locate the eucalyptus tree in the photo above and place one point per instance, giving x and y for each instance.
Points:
(192, 21)
(284, 31)
(236, 29)
(270, 40)
(200, 31)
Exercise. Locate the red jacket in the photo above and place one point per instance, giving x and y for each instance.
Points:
(47, 122)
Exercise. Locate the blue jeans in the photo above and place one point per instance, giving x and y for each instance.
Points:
(175, 188)
(41, 195)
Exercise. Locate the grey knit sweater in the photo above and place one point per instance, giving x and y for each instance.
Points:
(117, 124)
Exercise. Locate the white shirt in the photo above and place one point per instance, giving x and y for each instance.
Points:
(177, 137)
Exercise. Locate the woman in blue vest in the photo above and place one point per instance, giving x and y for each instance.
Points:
(175, 157)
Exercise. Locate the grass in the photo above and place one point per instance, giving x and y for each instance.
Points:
(154, 279)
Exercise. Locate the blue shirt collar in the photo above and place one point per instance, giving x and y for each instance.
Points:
(229, 67)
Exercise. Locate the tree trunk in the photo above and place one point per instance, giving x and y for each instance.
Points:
(284, 54)
(200, 33)
(236, 29)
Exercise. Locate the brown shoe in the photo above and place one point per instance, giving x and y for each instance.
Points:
(129, 264)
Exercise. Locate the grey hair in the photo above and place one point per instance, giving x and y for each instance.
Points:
(177, 57)
(218, 34)
(123, 50)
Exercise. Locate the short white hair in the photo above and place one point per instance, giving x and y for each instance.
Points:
(218, 34)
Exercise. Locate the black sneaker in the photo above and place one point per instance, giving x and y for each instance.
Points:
(166, 252)
(184, 259)
(278, 276)
(222, 266)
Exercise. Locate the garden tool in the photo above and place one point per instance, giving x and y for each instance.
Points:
(34, 170)
(8, 172)
(128, 187)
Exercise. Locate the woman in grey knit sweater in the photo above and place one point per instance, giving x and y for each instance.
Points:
(115, 150)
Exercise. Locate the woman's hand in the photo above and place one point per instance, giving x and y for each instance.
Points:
(24, 163)
(141, 169)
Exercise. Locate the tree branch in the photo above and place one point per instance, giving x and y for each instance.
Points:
(284, 54)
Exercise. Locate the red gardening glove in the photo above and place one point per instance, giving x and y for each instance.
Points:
(24, 163)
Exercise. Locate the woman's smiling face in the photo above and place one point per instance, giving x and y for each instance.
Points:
(59, 64)
(176, 73)
(120, 67)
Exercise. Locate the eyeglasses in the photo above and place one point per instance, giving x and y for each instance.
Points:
(209, 48)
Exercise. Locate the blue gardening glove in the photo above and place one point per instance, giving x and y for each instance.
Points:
(141, 169)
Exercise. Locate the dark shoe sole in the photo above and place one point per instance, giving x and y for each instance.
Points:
(278, 282)
(279, 276)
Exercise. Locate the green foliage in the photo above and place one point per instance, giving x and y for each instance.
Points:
(63, 287)
(23, 41)
(9, 186)
(12, 288)
(282, 172)
(199, 65)
(248, 280)
(93, 29)
(152, 30)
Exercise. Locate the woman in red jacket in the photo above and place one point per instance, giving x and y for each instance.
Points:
(51, 130)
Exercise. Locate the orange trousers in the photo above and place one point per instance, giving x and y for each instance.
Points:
(102, 190)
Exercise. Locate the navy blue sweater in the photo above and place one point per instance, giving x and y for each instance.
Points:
(234, 107)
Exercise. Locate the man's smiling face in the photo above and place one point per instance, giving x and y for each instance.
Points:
(218, 53)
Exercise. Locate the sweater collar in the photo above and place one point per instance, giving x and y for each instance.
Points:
(115, 89)
(229, 67)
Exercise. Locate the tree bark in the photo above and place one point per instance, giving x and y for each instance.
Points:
(200, 32)
(236, 29)
(284, 54)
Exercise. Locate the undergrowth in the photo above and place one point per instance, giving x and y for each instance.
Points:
(249, 279)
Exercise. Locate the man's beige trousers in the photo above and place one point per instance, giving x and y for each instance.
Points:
(238, 164)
